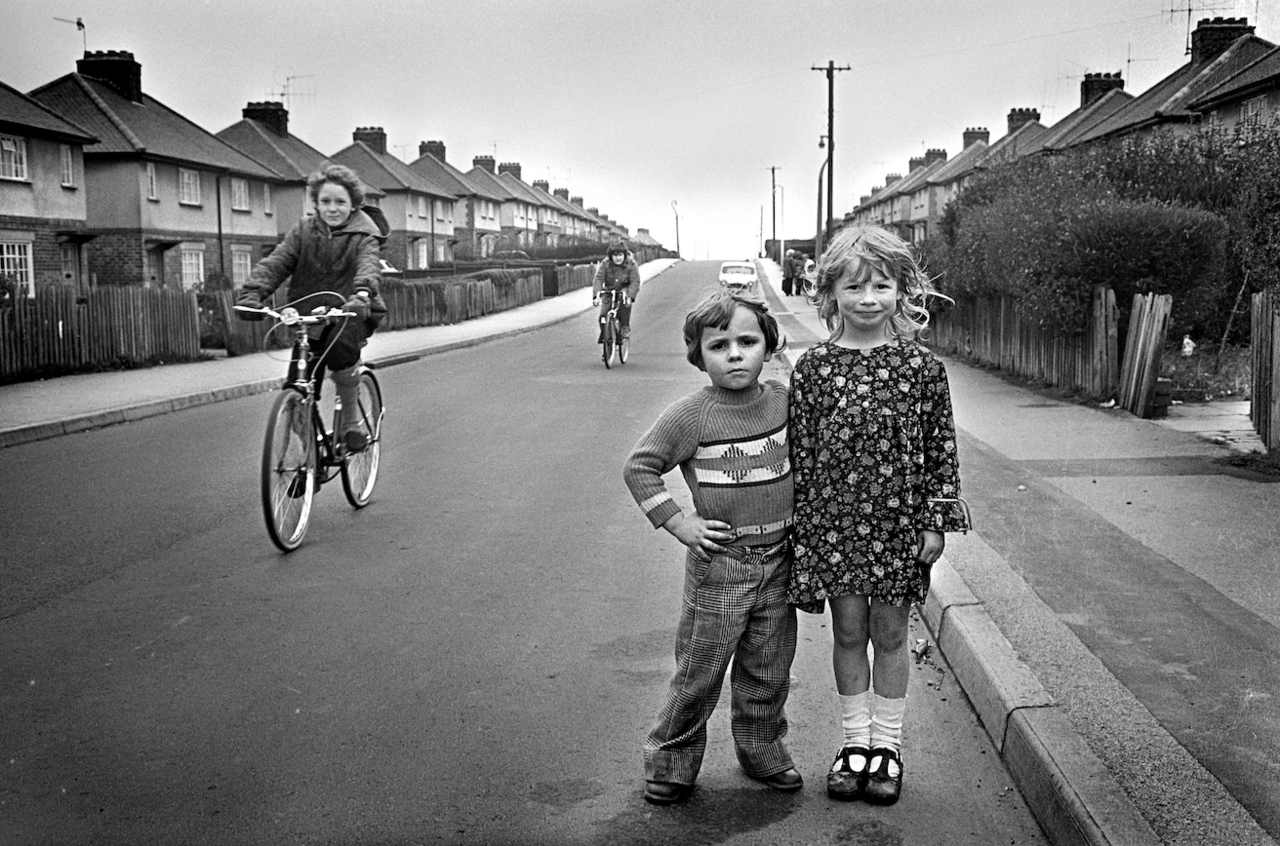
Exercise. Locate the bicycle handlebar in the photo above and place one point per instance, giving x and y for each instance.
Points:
(290, 316)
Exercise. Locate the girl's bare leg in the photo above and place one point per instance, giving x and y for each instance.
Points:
(850, 625)
(888, 629)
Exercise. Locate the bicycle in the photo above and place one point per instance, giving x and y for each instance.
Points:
(616, 344)
(299, 453)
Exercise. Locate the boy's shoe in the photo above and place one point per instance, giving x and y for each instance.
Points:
(355, 441)
(844, 783)
(884, 782)
(298, 486)
(787, 781)
(666, 792)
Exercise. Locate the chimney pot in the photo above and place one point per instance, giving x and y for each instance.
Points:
(543, 184)
(975, 134)
(935, 154)
(512, 168)
(435, 148)
(1212, 37)
(562, 193)
(373, 136)
(272, 115)
(485, 162)
(1096, 85)
(915, 164)
(1020, 117)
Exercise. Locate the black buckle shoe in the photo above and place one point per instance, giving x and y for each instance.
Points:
(844, 782)
(884, 786)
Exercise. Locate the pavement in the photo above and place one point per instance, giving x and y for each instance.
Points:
(1074, 793)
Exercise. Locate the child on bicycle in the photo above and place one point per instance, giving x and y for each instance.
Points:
(730, 442)
(618, 272)
(331, 256)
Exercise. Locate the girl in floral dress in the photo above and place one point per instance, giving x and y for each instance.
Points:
(874, 455)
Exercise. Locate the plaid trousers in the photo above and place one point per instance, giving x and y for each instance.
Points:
(735, 607)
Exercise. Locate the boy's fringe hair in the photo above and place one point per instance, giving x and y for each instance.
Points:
(855, 251)
(338, 175)
(716, 309)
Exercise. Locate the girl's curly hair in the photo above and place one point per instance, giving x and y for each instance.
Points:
(855, 252)
(338, 175)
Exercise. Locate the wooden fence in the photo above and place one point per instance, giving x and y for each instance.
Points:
(1143, 349)
(1264, 409)
(61, 331)
(990, 330)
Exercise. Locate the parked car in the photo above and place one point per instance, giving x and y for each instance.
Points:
(511, 254)
(739, 276)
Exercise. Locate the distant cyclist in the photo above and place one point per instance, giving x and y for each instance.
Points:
(618, 272)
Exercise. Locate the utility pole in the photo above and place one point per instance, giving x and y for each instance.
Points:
(773, 202)
(830, 71)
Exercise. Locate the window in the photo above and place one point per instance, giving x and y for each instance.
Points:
(188, 187)
(422, 207)
(239, 194)
(68, 165)
(192, 267)
(266, 199)
(241, 264)
(423, 255)
(13, 157)
(15, 265)
(439, 204)
(152, 193)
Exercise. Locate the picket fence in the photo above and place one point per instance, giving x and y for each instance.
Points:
(1143, 350)
(990, 330)
(62, 331)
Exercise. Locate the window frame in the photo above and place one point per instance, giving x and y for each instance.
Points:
(12, 263)
(241, 264)
(239, 194)
(267, 207)
(68, 161)
(153, 186)
(188, 179)
(197, 258)
(13, 158)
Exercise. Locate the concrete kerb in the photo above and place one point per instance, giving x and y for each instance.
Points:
(1072, 794)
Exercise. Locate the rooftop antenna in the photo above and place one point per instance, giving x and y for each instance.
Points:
(79, 24)
(401, 148)
(1129, 60)
(1192, 6)
(286, 91)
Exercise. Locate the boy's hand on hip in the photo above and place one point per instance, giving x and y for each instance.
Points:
(704, 537)
(929, 545)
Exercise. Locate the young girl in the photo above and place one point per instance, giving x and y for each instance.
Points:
(334, 252)
(873, 451)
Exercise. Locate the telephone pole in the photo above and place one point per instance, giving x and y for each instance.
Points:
(830, 71)
(773, 203)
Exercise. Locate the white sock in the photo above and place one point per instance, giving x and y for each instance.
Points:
(886, 722)
(855, 718)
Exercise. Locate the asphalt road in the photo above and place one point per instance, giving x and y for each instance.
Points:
(474, 658)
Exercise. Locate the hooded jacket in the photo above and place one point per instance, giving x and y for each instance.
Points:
(315, 258)
(610, 276)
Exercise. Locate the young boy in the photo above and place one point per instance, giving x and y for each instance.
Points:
(730, 442)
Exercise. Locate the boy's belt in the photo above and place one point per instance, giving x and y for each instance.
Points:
(766, 529)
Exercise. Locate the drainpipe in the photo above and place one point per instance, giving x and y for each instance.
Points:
(222, 258)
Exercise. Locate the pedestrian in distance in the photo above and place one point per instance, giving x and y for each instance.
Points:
(618, 272)
(729, 441)
(877, 484)
(333, 252)
(788, 273)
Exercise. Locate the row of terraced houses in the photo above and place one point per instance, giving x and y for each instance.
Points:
(1231, 80)
(101, 184)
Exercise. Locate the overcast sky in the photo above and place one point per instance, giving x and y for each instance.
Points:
(633, 105)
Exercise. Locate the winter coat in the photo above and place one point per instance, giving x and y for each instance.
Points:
(610, 276)
(315, 258)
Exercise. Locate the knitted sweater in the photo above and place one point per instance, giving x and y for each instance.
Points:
(731, 447)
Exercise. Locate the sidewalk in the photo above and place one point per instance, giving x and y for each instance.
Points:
(32, 411)
(978, 604)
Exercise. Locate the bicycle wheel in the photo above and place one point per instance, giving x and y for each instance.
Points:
(360, 469)
(608, 342)
(624, 345)
(288, 470)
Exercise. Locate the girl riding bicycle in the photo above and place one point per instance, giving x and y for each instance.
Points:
(618, 272)
(333, 252)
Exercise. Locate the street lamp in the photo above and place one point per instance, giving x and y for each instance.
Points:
(822, 227)
(782, 216)
(677, 212)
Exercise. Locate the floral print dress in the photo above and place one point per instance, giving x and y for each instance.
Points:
(872, 443)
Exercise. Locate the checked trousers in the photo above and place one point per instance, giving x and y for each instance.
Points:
(734, 608)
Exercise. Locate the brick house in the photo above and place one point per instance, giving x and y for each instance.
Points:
(575, 225)
(170, 203)
(546, 219)
(517, 216)
(477, 227)
(42, 197)
(420, 211)
(1249, 98)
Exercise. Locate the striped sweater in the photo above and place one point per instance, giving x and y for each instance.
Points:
(731, 447)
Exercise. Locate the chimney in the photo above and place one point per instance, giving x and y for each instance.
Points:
(642, 231)
(933, 154)
(485, 162)
(595, 213)
(915, 164)
(562, 193)
(1020, 117)
(542, 184)
(891, 178)
(577, 201)
(373, 136)
(272, 115)
(862, 201)
(435, 148)
(116, 68)
(1211, 37)
(512, 168)
(978, 133)
(1096, 85)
